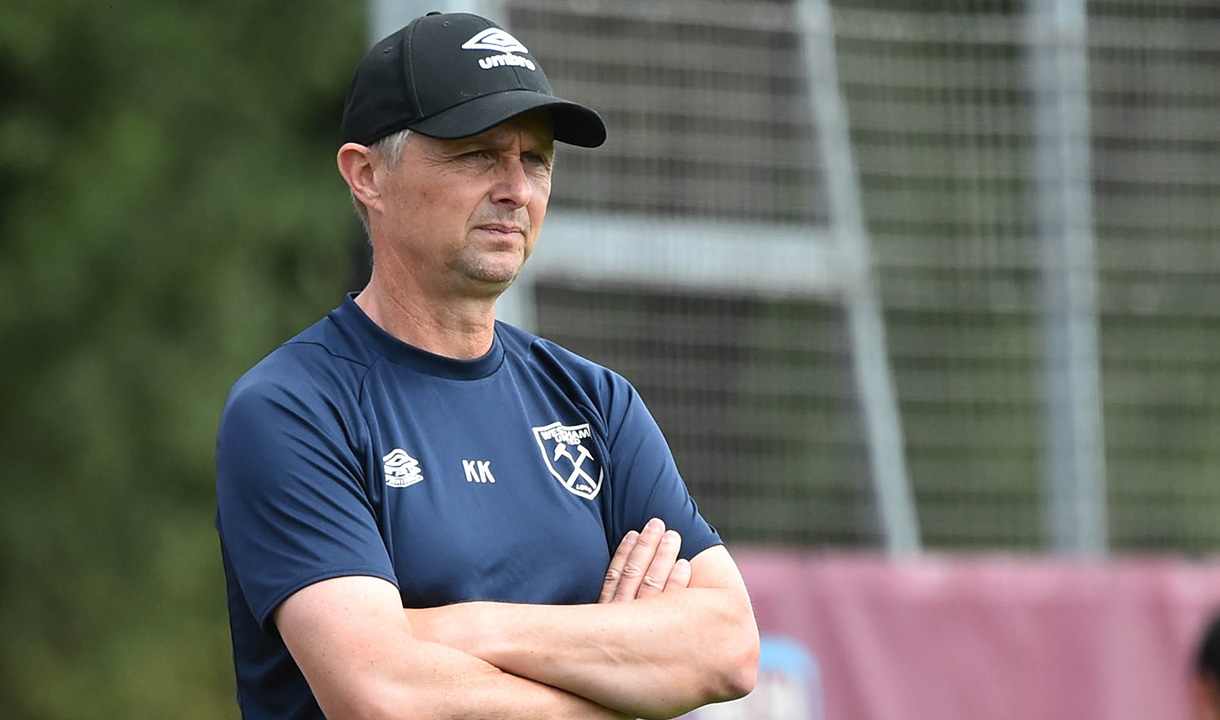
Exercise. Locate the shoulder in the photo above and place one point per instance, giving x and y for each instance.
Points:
(318, 368)
(604, 395)
(543, 356)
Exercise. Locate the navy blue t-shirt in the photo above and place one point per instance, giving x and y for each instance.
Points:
(511, 477)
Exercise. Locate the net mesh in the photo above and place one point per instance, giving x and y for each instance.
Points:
(709, 114)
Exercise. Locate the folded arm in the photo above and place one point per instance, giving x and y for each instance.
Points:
(356, 648)
(673, 647)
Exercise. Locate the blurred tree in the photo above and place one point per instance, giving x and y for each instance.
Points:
(169, 212)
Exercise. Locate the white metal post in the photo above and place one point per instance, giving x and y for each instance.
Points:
(883, 425)
(1074, 445)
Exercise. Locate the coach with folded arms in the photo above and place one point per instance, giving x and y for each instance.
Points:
(425, 513)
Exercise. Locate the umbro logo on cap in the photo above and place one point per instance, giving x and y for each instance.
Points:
(498, 40)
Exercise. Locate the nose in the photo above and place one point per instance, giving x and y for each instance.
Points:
(512, 187)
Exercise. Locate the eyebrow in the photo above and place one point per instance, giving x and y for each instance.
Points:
(480, 141)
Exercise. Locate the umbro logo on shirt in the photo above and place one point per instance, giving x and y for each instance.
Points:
(401, 470)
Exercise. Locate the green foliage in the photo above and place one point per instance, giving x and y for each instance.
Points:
(169, 212)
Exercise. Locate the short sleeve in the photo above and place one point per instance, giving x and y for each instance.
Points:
(645, 482)
(292, 509)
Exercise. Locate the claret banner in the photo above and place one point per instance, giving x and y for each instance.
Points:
(973, 638)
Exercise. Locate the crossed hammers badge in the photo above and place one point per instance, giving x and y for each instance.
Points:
(569, 460)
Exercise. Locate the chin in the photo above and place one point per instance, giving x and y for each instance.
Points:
(492, 281)
(501, 270)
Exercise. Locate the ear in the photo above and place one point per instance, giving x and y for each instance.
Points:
(356, 166)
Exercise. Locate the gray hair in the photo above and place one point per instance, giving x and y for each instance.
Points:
(389, 151)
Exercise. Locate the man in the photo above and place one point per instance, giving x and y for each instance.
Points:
(425, 513)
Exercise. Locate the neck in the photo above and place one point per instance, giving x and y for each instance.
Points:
(462, 329)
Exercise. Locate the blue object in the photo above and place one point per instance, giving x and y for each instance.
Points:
(789, 687)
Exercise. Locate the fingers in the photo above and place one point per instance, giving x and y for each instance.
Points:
(663, 563)
(679, 577)
(639, 560)
(645, 564)
(614, 573)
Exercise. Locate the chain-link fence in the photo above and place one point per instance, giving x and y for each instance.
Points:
(708, 103)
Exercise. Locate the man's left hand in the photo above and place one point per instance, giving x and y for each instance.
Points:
(645, 564)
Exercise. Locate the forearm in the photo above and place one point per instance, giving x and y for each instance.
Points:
(655, 657)
(441, 683)
(362, 660)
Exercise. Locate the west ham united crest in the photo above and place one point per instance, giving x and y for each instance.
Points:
(568, 452)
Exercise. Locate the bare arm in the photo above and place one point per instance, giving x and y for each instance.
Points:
(668, 650)
(356, 648)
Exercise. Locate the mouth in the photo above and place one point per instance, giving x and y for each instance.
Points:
(498, 229)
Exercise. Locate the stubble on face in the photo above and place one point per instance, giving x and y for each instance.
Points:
(487, 258)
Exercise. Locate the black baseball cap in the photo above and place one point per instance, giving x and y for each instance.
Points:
(454, 75)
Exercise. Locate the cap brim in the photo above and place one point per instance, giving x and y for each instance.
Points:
(574, 123)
